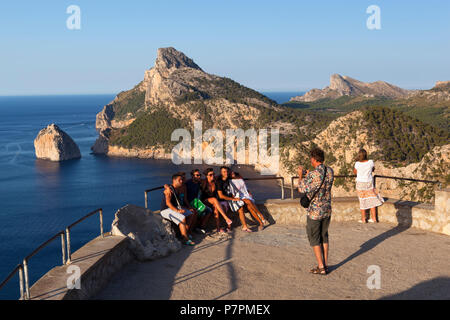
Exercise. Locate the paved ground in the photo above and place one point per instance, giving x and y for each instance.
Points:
(275, 264)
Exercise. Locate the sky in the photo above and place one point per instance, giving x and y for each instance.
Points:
(265, 45)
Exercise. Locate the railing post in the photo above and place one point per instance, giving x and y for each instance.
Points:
(101, 223)
(292, 187)
(282, 188)
(146, 202)
(63, 246)
(27, 288)
(69, 255)
(21, 282)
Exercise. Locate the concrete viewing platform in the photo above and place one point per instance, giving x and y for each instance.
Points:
(275, 264)
(410, 247)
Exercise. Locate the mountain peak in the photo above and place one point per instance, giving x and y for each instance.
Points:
(170, 58)
(347, 86)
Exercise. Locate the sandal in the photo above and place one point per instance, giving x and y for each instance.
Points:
(317, 270)
(189, 243)
(247, 230)
(261, 228)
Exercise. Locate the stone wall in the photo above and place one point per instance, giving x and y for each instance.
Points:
(435, 218)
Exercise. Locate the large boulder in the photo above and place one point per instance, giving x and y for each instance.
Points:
(54, 144)
(150, 235)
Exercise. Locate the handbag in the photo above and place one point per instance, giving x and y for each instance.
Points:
(305, 202)
(198, 205)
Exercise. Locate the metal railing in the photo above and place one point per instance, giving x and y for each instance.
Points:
(23, 268)
(100, 211)
(18, 268)
(374, 180)
(146, 192)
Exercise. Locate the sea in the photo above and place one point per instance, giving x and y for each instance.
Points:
(39, 198)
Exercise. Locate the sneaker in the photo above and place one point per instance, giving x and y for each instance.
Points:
(200, 230)
(371, 221)
(360, 221)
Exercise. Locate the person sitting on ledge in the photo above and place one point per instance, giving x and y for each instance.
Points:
(210, 197)
(240, 190)
(178, 211)
(224, 190)
(193, 196)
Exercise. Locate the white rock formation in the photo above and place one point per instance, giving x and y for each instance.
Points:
(54, 144)
(151, 236)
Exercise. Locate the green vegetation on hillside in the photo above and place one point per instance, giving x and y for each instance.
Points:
(148, 130)
(403, 139)
(129, 102)
(426, 109)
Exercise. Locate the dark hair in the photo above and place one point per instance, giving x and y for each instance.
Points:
(194, 171)
(176, 175)
(208, 170)
(224, 167)
(237, 175)
(318, 154)
(362, 155)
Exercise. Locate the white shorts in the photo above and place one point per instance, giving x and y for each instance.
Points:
(174, 216)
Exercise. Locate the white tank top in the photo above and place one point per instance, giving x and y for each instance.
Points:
(364, 171)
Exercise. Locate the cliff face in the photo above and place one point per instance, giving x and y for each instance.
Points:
(182, 91)
(54, 144)
(341, 141)
(346, 86)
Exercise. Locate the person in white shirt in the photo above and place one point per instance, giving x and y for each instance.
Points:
(240, 191)
(367, 194)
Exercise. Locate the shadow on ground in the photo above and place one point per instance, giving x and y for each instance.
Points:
(404, 222)
(434, 289)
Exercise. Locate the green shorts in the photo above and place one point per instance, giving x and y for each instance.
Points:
(317, 230)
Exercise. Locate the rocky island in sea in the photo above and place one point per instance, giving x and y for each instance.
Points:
(405, 131)
(54, 144)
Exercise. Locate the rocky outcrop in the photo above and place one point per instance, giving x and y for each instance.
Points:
(54, 144)
(179, 87)
(151, 236)
(101, 144)
(341, 141)
(345, 86)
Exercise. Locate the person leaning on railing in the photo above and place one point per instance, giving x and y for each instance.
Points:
(319, 211)
(368, 196)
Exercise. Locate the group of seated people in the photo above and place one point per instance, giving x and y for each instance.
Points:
(189, 204)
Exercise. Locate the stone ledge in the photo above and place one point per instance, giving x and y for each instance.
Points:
(97, 260)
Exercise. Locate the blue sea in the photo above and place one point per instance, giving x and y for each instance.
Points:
(38, 198)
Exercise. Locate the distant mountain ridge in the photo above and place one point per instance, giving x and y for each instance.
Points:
(346, 86)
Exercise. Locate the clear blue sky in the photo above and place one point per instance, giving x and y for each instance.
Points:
(266, 45)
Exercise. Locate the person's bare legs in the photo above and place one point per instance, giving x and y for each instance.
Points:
(183, 229)
(318, 253)
(325, 253)
(219, 208)
(253, 211)
(373, 214)
(242, 218)
(216, 217)
(191, 220)
(363, 216)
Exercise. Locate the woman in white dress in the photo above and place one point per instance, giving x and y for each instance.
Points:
(367, 194)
